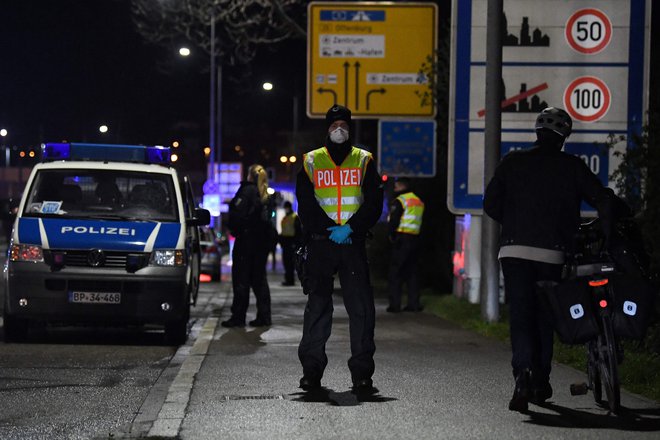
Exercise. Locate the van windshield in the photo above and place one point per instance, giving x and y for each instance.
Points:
(102, 194)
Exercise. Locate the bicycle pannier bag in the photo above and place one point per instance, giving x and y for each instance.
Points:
(633, 305)
(573, 317)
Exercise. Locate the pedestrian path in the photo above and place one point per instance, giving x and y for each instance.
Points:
(435, 380)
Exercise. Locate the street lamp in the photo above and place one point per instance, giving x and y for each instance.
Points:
(215, 93)
(267, 86)
(3, 133)
(103, 128)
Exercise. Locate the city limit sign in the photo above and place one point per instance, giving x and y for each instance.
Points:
(588, 57)
(368, 56)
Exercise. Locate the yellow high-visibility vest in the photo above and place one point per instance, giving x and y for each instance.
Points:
(413, 210)
(289, 225)
(338, 189)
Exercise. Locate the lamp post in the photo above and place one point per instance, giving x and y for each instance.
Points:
(215, 99)
(215, 134)
(3, 133)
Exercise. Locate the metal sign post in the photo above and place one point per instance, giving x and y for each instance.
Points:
(490, 269)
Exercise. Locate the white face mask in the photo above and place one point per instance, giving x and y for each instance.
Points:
(339, 135)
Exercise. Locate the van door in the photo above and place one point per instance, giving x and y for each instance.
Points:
(192, 240)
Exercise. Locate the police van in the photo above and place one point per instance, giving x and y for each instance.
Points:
(105, 234)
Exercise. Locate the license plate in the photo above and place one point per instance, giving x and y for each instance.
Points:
(95, 297)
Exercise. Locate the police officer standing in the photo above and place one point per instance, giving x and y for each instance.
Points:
(290, 237)
(535, 195)
(250, 222)
(405, 222)
(339, 198)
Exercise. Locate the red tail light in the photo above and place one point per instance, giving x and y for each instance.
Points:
(598, 283)
(602, 303)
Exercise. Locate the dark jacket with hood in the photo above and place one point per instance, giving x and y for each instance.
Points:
(313, 217)
(248, 216)
(536, 195)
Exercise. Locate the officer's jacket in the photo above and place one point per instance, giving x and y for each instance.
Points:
(315, 219)
(337, 188)
(410, 221)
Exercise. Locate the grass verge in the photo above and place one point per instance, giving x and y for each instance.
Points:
(639, 373)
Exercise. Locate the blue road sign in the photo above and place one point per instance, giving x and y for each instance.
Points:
(407, 148)
(600, 78)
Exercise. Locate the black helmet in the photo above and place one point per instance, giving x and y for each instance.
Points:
(554, 119)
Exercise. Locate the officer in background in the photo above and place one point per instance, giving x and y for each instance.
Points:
(535, 195)
(339, 198)
(290, 238)
(405, 222)
(249, 220)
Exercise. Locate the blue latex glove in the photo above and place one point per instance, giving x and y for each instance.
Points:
(341, 234)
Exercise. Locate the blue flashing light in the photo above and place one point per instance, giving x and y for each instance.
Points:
(106, 153)
(55, 151)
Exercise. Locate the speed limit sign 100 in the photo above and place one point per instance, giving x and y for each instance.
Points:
(587, 99)
(588, 30)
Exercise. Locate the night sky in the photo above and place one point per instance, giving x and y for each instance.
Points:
(71, 65)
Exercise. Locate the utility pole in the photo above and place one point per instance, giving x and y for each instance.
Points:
(490, 270)
(212, 99)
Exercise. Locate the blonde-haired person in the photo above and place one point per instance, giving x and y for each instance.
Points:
(250, 222)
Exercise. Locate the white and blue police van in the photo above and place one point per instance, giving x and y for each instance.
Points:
(104, 235)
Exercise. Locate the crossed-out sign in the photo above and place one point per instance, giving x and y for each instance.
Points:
(369, 56)
(587, 98)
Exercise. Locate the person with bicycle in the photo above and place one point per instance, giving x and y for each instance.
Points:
(535, 194)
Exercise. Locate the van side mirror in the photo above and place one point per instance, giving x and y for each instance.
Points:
(202, 218)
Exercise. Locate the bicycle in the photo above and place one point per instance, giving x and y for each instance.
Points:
(593, 265)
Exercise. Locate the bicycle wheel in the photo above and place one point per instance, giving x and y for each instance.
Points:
(592, 371)
(608, 367)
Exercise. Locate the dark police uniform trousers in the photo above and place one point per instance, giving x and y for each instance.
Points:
(248, 269)
(531, 323)
(350, 263)
(403, 268)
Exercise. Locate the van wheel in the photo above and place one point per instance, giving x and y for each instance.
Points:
(176, 332)
(15, 329)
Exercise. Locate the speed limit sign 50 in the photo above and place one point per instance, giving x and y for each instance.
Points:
(588, 30)
(587, 99)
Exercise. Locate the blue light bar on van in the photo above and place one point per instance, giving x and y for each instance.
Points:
(105, 153)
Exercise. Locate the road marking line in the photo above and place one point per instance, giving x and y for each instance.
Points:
(173, 411)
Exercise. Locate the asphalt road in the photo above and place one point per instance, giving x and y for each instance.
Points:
(435, 380)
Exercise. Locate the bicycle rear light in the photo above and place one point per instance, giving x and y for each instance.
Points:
(598, 283)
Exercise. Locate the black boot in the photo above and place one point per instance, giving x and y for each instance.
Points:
(233, 322)
(261, 322)
(308, 383)
(541, 393)
(520, 400)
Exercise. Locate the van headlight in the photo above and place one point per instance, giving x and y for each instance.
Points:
(26, 252)
(167, 257)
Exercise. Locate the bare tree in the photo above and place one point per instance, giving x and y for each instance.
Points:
(240, 25)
